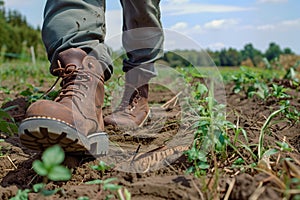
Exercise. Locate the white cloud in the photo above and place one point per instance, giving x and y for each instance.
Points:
(280, 26)
(285, 25)
(220, 23)
(272, 1)
(17, 4)
(193, 8)
(266, 27)
(184, 28)
(216, 46)
(178, 1)
(179, 26)
(198, 28)
(295, 22)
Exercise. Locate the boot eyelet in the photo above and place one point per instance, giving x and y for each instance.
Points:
(131, 109)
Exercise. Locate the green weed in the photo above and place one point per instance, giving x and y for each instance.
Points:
(291, 73)
(7, 123)
(107, 184)
(21, 195)
(32, 94)
(50, 166)
(262, 132)
(210, 135)
(102, 167)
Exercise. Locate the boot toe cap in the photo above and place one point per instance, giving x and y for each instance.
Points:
(50, 109)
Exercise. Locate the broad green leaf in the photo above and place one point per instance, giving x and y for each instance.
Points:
(38, 187)
(239, 161)
(49, 192)
(8, 127)
(270, 152)
(97, 181)
(109, 196)
(110, 186)
(127, 194)
(262, 131)
(53, 156)
(83, 198)
(201, 156)
(203, 165)
(5, 115)
(21, 195)
(59, 173)
(284, 146)
(202, 89)
(26, 93)
(39, 168)
(9, 108)
(109, 180)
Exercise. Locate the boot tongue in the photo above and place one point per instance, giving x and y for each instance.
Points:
(71, 56)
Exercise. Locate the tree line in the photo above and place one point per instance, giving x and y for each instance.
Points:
(226, 57)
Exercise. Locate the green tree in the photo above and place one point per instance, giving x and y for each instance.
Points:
(175, 60)
(230, 57)
(15, 31)
(273, 51)
(288, 51)
(253, 54)
(215, 56)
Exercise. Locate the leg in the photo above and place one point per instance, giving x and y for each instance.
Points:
(142, 35)
(143, 41)
(78, 24)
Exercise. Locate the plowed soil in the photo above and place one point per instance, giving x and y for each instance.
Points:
(171, 181)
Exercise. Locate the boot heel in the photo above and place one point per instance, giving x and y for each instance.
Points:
(99, 143)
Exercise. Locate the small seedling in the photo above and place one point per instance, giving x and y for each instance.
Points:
(262, 132)
(102, 167)
(107, 185)
(21, 195)
(284, 146)
(50, 167)
(279, 91)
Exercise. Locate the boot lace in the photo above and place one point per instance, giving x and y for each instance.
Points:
(73, 81)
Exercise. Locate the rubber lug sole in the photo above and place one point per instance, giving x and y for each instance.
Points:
(41, 133)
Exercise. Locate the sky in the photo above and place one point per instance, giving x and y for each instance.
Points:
(203, 24)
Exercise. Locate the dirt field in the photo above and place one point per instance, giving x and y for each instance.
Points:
(172, 181)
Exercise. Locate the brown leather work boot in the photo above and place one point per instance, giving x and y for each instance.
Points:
(133, 110)
(74, 119)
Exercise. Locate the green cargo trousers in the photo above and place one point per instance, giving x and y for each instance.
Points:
(81, 24)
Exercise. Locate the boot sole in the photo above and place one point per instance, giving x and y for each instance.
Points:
(39, 133)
